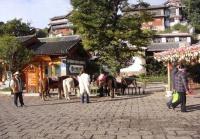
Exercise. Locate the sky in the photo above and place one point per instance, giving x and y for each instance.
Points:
(38, 12)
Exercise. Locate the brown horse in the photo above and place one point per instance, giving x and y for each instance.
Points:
(107, 86)
(51, 83)
(110, 85)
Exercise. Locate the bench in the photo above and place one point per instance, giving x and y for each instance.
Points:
(94, 89)
(136, 88)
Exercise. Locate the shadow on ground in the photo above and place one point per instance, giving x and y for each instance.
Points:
(92, 100)
(191, 108)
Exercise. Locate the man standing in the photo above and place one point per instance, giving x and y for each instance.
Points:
(84, 83)
(181, 86)
(17, 88)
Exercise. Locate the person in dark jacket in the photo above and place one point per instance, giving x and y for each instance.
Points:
(181, 86)
(174, 71)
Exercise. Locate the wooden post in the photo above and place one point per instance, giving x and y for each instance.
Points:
(169, 76)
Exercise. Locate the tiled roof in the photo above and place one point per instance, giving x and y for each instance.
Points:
(55, 46)
(173, 34)
(25, 38)
(64, 38)
(135, 8)
(60, 17)
(157, 47)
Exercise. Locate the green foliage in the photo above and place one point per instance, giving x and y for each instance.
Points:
(176, 27)
(150, 78)
(1, 28)
(16, 27)
(13, 53)
(105, 30)
(93, 67)
(41, 33)
(194, 72)
(154, 67)
(6, 89)
(181, 28)
(192, 12)
(168, 30)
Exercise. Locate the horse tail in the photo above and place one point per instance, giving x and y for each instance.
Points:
(76, 83)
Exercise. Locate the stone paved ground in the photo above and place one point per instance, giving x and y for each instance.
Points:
(127, 117)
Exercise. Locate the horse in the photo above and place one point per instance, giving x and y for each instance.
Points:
(107, 86)
(69, 85)
(51, 83)
(125, 82)
(110, 85)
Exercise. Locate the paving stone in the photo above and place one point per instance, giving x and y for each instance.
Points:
(124, 117)
(98, 132)
(179, 137)
(104, 137)
(173, 133)
(128, 137)
(187, 132)
(154, 137)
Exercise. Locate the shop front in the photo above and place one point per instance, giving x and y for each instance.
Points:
(54, 58)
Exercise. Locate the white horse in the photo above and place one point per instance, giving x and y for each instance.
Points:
(68, 87)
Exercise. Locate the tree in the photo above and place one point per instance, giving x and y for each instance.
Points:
(16, 27)
(41, 33)
(192, 12)
(105, 29)
(1, 28)
(14, 53)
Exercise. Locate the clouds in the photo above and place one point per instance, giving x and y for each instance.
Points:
(37, 12)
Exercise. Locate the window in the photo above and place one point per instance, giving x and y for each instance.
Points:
(157, 40)
(169, 39)
(183, 39)
(172, 12)
(156, 12)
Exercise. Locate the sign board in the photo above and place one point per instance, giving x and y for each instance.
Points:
(32, 79)
(75, 69)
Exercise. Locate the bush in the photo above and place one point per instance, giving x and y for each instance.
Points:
(194, 72)
(6, 89)
(154, 67)
(158, 78)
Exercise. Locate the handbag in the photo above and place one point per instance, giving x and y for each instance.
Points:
(175, 97)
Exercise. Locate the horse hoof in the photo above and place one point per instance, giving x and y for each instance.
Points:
(67, 98)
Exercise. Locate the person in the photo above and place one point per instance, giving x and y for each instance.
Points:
(84, 83)
(181, 86)
(17, 89)
(101, 82)
(174, 71)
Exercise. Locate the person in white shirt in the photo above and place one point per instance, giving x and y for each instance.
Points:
(17, 88)
(84, 83)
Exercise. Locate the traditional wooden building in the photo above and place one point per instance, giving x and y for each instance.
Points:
(53, 57)
(164, 16)
(60, 26)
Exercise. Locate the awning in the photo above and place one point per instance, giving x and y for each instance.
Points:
(182, 53)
